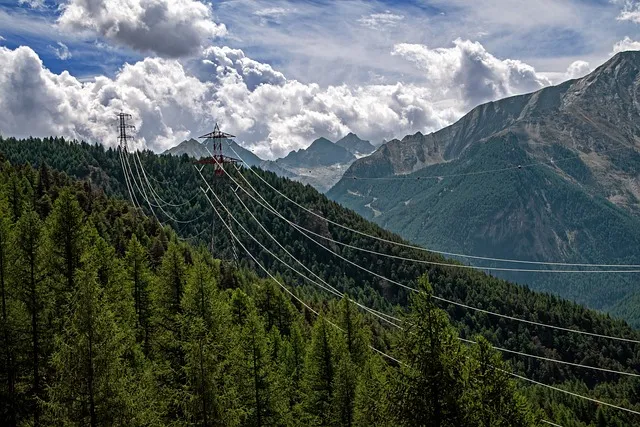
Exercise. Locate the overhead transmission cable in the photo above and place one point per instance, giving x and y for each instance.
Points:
(129, 185)
(379, 314)
(444, 264)
(151, 188)
(324, 285)
(482, 172)
(282, 285)
(153, 195)
(531, 322)
(400, 320)
(387, 355)
(419, 248)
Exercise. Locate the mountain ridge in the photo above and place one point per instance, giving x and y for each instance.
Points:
(550, 175)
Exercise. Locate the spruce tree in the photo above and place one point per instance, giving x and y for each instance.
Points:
(210, 395)
(492, 396)
(28, 274)
(92, 378)
(430, 385)
(320, 371)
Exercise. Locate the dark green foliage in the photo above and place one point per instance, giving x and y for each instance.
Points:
(207, 342)
(548, 212)
(430, 388)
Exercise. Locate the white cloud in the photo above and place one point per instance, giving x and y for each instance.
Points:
(171, 28)
(2, 39)
(219, 61)
(380, 21)
(62, 51)
(630, 12)
(33, 4)
(470, 74)
(577, 69)
(170, 104)
(625, 44)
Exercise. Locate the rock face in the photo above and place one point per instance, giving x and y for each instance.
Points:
(321, 152)
(552, 175)
(587, 116)
(356, 146)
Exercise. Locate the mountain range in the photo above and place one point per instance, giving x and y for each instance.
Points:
(547, 176)
(320, 165)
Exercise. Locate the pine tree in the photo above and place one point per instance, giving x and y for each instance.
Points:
(8, 404)
(320, 369)
(139, 277)
(292, 359)
(167, 351)
(344, 394)
(274, 307)
(28, 273)
(210, 396)
(429, 388)
(356, 334)
(492, 395)
(371, 395)
(91, 375)
(65, 238)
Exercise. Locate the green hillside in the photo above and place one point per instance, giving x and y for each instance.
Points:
(529, 213)
(175, 179)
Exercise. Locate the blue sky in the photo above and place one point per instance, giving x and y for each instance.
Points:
(333, 55)
(295, 38)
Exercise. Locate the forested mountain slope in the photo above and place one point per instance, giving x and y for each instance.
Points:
(108, 320)
(547, 176)
(176, 180)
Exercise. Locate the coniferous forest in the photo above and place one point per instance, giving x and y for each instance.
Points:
(111, 318)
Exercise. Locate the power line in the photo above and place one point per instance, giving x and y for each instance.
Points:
(600, 402)
(296, 226)
(165, 203)
(482, 172)
(548, 359)
(327, 287)
(444, 264)
(400, 320)
(419, 248)
(389, 356)
(157, 205)
(273, 211)
(282, 285)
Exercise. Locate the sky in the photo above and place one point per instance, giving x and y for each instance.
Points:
(280, 73)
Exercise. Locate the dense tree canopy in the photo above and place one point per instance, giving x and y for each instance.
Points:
(97, 296)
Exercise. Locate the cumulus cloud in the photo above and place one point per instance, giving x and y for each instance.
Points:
(169, 103)
(380, 21)
(577, 69)
(171, 28)
(625, 44)
(220, 61)
(62, 51)
(469, 73)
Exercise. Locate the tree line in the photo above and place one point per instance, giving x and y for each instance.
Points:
(156, 314)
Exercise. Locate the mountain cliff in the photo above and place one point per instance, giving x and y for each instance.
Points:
(356, 146)
(552, 175)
